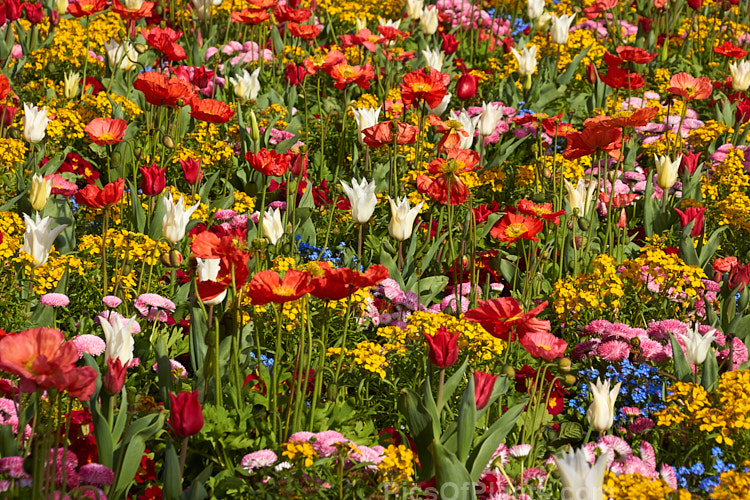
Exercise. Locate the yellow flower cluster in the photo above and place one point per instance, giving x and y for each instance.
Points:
(11, 151)
(397, 464)
(571, 169)
(726, 410)
(126, 246)
(12, 228)
(701, 137)
(734, 485)
(273, 112)
(367, 355)
(728, 188)
(47, 276)
(365, 101)
(600, 290)
(212, 148)
(243, 203)
(349, 10)
(629, 486)
(664, 145)
(665, 271)
(299, 452)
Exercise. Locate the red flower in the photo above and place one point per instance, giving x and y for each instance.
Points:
(84, 8)
(344, 74)
(426, 85)
(484, 385)
(443, 347)
(211, 111)
(695, 4)
(635, 54)
(382, 134)
(739, 276)
(4, 87)
(94, 197)
(165, 41)
(450, 43)
(186, 414)
(269, 162)
(690, 88)
(543, 211)
(103, 131)
(285, 13)
(318, 62)
(75, 164)
(689, 162)
(554, 126)
(267, 286)
(452, 130)
(337, 284)
(132, 14)
(640, 118)
(466, 86)
(543, 345)
(730, 50)
(34, 12)
(303, 31)
(724, 265)
(696, 214)
(591, 140)
(161, 90)
(500, 316)
(250, 16)
(447, 186)
(227, 246)
(514, 226)
(191, 170)
(114, 378)
(153, 180)
(619, 78)
(294, 74)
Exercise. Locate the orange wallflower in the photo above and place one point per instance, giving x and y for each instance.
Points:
(689, 87)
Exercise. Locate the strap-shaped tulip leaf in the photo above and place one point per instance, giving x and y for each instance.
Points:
(681, 366)
(451, 476)
(491, 439)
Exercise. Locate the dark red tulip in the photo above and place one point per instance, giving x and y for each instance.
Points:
(34, 12)
(13, 10)
(644, 25)
(153, 180)
(191, 169)
(484, 384)
(696, 214)
(466, 86)
(6, 114)
(592, 75)
(450, 43)
(443, 347)
(689, 162)
(739, 275)
(295, 74)
(186, 417)
(114, 378)
(695, 4)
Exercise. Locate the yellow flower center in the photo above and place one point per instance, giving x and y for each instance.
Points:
(515, 230)
(106, 136)
(421, 87)
(284, 291)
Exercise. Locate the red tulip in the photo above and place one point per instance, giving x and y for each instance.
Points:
(443, 347)
(740, 275)
(153, 180)
(689, 162)
(696, 214)
(186, 418)
(466, 86)
(13, 10)
(450, 43)
(695, 4)
(95, 197)
(191, 169)
(114, 378)
(484, 384)
(295, 74)
(34, 12)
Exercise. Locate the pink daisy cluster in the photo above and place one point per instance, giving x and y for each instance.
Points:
(467, 16)
(622, 460)
(8, 416)
(154, 307)
(494, 481)
(328, 443)
(54, 300)
(392, 306)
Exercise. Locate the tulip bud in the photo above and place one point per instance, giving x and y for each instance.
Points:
(466, 86)
(41, 189)
(667, 170)
(484, 385)
(600, 414)
(186, 416)
(71, 84)
(114, 377)
(443, 347)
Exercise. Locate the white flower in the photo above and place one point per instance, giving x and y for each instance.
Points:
(666, 171)
(561, 28)
(366, 118)
(176, 219)
(579, 197)
(543, 21)
(402, 218)
(534, 9)
(579, 479)
(215, 301)
(414, 9)
(118, 335)
(469, 125)
(395, 23)
(440, 108)
(41, 189)
(34, 123)
(133, 4)
(429, 20)
(246, 86)
(740, 75)
(208, 269)
(61, 6)
(71, 84)
(697, 345)
(601, 413)
(39, 237)
(434, 58)
(360, 23)
(490, 117)
(122, 56)
(273, 228)
(362, 199)
(526, 60)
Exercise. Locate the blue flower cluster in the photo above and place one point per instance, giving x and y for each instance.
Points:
(697, 479)
(642, 387)
(310, 252)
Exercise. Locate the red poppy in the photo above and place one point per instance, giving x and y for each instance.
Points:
(689, 87)
(103, 131)
(165, 41)
(591, 140)
(447, 186)
(513, 227)
(500, 316)
(730, 50)
(263, 4)
(4, 87)
(211, 111)
(543, 211)
(639, 118)
(382, 134)
(153, 180)
(337, 284)
(303, 31)
(452, 130)
(269, 162)
(426, 85)
(345, 73)
(132, 14)
(635, 54)
(160, 90)
(250, 16)
(319, 62)
(619, 78)
(554, 127)
(285, 13)
(391, 34)
(544, 345)
(95, 197)
(267, 286)
(85, 8)
(227, 246)
(209, 290)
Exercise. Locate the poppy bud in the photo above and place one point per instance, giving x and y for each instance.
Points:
(484, 385)
(564, 364)
(508, 371)
(168, 142)
(175, 258)
(164, 259)
(186, 417)
(254, 130)
(583, 224)
(570, 380)
(466, 86)
(443, 347)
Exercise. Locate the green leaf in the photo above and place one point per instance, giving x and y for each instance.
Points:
(708, 250)
(172, 477)
(453, 480)
(710, 374)
(682, 369)
(565, 78)
(467, 422)
(491, 439)
(421, 428)
(137, 213)
(450, 385)
(687, 246)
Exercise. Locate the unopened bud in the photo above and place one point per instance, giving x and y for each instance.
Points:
(175, 258)
(570, 380)
(508, 371)
(564, 364)
(141, 47)
(583, 224)
(168, 142)
(254, 130)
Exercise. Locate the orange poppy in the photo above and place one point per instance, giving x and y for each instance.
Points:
(268, 162)
(513, 227)
(211, 111)
(263, 4)
(619, 78)
(85, 8)
(639, 118)
(132, 14)
(689, 87)
(500, 316)
(337, 284)
(268, 286)
(382, 134)
(229, 248)
(285, 13)
(591, 140)
(250, 16)
(344, 73)
(325, 63)
(543, 211)
(447, 187)
(303, 31)
(95, 197)
(161, 90)
(165, 41)
(103, 131)
(452, 130)
(426, 85)
(635, 54)
(554, 127)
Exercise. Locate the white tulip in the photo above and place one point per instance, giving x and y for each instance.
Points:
(440, 108)
(601, 413)
(490, 117)
(534, 9)
(215, 301)
(561, 28)
(581, 481)
(133, 4)
(41, 189)
(202, 8)
(122, 56)
(365, 118)
(39, 237)
(543, 21)
(176, 219)
(246, 86)
(434, 58)
(740, 75)
(666, 171)
(71, 82)
(414, 9)
(469, 125)
(273, 228)
(34, 123)
(360, 23)
(362, 199)
(697, 345)
(395, 23)
(526, 60)
(208, 269)
(118, 336)
(61, 6)
(579, 197)
(402, 218)
(429, 20)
